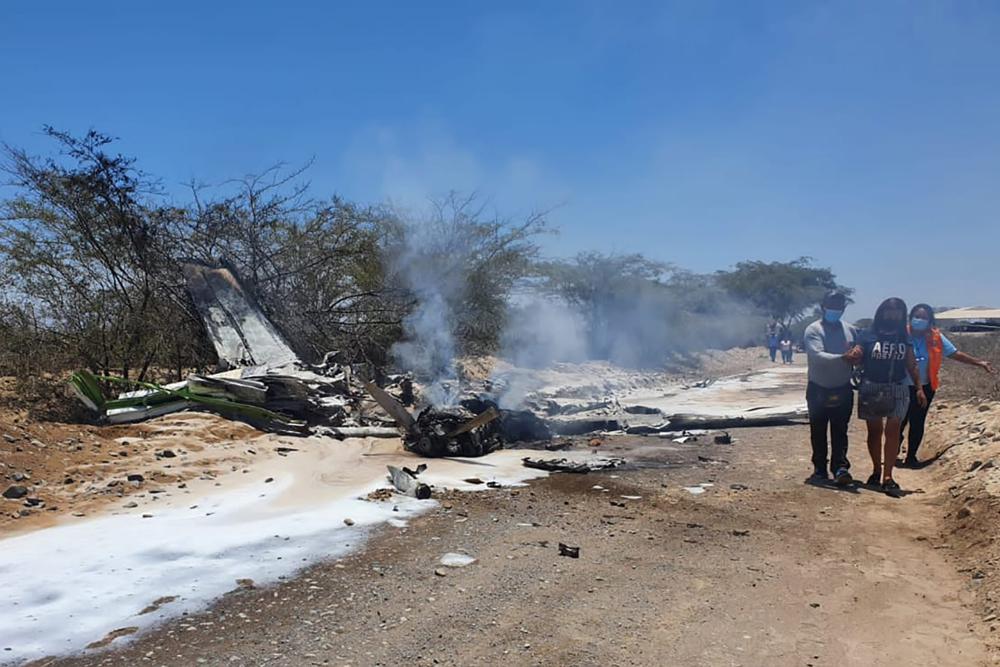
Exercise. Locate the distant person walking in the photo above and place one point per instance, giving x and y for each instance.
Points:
(884, 397)
(772, 346)
(786, 348)
(830, 353)
(930, 347)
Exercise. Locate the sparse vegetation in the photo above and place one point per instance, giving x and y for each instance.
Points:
(90, 255)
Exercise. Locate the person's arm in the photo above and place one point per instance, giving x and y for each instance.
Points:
(973, 361)
(814, 347)
(914, 370)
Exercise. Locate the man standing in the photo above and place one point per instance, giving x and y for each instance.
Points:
(772, 338)
(831, 353)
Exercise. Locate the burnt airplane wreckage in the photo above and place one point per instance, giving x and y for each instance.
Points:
(263, 382)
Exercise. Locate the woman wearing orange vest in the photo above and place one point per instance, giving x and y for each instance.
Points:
(930, 347)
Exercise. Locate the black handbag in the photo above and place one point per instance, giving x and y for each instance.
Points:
(876, 400)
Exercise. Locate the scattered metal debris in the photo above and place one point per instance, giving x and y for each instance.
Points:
(405, 481)
(565, 465)
(568, 551)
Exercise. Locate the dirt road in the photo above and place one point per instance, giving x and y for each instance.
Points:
(758, 569)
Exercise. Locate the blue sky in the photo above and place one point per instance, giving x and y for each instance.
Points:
(864, 134)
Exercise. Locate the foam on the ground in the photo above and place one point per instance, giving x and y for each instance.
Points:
(68, 586)
(776, 390)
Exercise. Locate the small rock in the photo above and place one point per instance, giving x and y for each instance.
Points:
(268, 480)
(9, 438)
(348, 522)
(814, 605)
(19, 477)
(985, 407)
(166, 454)
(32, 502)
(454, 559)
(245, 583)
(135, 477)
(130, 505)
(15, 492)
(440, 572)
(741, 533)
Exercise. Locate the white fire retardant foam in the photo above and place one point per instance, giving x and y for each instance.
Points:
(70, 585)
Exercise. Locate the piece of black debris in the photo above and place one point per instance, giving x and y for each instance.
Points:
(555, 465)
(565, 465)
(568, 551)
(558, 445)
(472, 480)
(15, 492)
(724, 439)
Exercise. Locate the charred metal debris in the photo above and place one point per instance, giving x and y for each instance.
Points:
(263, 382)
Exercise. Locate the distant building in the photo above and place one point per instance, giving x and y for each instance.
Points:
(973, 318)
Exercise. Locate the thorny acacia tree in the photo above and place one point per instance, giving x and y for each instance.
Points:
(87, 253)
(456, 267)
(783, 290)
(90, 254)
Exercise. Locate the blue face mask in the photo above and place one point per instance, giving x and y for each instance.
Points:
(919, 324)
(832, 316)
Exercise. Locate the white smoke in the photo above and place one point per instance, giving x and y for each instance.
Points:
(434, 276)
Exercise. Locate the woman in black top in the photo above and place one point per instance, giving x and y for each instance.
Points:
(884, 396)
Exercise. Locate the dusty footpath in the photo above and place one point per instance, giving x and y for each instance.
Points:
(758, 569)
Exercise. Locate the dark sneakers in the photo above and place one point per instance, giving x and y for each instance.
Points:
(843, 477)
(819, 477)
(890, 488)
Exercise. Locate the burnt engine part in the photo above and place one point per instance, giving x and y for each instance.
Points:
(439, 432)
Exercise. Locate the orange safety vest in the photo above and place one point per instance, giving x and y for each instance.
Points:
(935, 356)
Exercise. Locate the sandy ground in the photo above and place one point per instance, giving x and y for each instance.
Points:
(79, 470)
(758, 569)
(696, 554)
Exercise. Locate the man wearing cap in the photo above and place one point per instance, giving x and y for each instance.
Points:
(830, 351)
